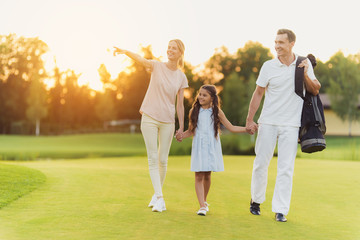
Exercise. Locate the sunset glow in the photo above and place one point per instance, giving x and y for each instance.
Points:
(81, 34)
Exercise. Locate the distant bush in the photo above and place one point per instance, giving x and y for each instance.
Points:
(238, 144)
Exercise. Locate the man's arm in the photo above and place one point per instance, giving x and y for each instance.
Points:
(312, 85)
(251, 126)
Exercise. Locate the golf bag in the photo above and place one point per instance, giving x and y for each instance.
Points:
(312, 130)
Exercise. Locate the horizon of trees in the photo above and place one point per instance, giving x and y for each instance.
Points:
(27, 106)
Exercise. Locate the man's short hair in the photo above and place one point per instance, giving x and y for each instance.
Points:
(290, 34)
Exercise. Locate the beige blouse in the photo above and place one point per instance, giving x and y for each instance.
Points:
(160, 97)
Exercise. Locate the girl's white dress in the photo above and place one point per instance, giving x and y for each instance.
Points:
(206, 153)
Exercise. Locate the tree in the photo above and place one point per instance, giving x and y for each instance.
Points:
(236, 97)
(240, 84)
(195, 82)
(20, 62)
(84, 108)
(322, 74)
(37, 103)
(250, 59)
(105, 107)
(131, 88)
(71, 107)
(344, 89)
(218, 67)
(54, 117)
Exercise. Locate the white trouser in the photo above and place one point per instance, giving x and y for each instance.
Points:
(287, 138)
(153, 130)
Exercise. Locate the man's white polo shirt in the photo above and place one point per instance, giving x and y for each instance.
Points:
(282, 107)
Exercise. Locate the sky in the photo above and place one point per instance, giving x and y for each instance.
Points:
(81, 33)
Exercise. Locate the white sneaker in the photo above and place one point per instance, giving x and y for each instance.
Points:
(202, 211)
(153, 201)
(159, 205)
(207, 206)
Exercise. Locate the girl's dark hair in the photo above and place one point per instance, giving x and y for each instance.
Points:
(194, 111)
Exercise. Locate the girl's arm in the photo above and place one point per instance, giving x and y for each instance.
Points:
(187, 134)
(182, 135)
(228, 125)
(136, 57)
(180, 109)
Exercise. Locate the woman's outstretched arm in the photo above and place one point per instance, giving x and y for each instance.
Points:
(136, 57)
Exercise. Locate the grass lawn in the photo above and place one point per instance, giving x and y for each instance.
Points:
(17, 181)
(115, 145)
(70, 146)
(337, 148)
(97, 145)
(106, 198)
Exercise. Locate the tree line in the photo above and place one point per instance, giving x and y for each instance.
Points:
(29, 106)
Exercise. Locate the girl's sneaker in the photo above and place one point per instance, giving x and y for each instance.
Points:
(202, 211)
(207, 206)
(153, 201)
(159, 205)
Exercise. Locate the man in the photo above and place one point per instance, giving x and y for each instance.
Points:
(279, 122)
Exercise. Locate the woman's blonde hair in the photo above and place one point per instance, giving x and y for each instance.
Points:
(181, 47)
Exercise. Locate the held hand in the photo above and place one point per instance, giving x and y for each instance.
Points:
(251, 127)
(179, 136)
(118, 51)
(305, 65)
(251, 130)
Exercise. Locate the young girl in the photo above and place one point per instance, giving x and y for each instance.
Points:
(206, 156)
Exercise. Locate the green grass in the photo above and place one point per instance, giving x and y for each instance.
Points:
(337, 148)
(114, 145)
(98, 145)
(17, 181)
(107, 198)
(70, 146)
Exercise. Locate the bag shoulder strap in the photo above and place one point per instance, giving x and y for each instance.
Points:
(299, 78)
(318, 117)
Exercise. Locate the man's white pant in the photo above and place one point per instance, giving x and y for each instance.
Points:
(152, 130)
(287, 138)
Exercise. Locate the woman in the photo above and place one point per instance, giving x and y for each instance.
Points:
(166, 86)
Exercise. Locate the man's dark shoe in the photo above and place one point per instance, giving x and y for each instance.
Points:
(280, 217)
(254, 208)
